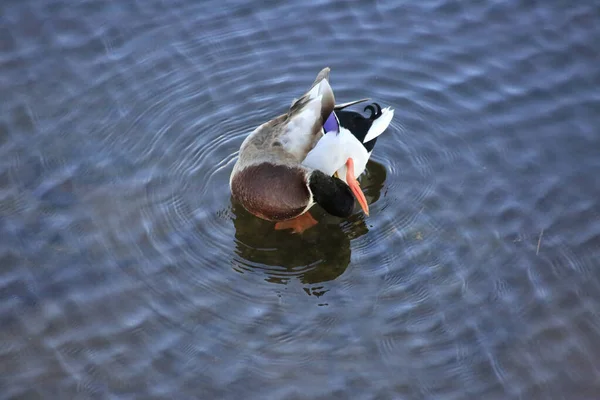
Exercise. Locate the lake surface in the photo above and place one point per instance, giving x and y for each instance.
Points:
(127, 272)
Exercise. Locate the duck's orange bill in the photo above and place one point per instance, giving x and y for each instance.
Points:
(355, 186)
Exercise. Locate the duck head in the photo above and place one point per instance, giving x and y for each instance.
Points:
(332, 194)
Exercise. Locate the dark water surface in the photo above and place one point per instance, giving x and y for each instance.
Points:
(126, 271)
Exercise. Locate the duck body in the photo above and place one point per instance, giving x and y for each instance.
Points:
(269, 179)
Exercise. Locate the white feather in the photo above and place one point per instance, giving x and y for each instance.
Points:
(350, 103)
(333, 150)
(298, 135)
(325, 156)
(319, 89)
(380, 124)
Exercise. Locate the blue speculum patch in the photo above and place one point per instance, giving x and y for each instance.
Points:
(331, 125)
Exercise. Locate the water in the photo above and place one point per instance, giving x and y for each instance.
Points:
(127, 272)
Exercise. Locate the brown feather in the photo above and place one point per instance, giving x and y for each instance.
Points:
(273, 192)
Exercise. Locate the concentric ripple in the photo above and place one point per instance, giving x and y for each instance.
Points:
(127, 270)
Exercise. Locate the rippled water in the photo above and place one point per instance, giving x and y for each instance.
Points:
(127, 272)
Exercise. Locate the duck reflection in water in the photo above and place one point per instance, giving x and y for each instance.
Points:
(318, 255)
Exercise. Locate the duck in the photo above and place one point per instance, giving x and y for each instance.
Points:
(347, 144)
(268, 178)
(272, 178)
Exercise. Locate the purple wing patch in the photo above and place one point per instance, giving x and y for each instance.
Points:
(331, 125)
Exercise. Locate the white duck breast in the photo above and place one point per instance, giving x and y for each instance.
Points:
(333, 150)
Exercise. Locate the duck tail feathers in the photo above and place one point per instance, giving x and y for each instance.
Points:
(380, 124)
(350, 103)
(320, 90)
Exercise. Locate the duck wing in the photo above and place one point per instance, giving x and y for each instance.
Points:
(306, 117)
(286, 139)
